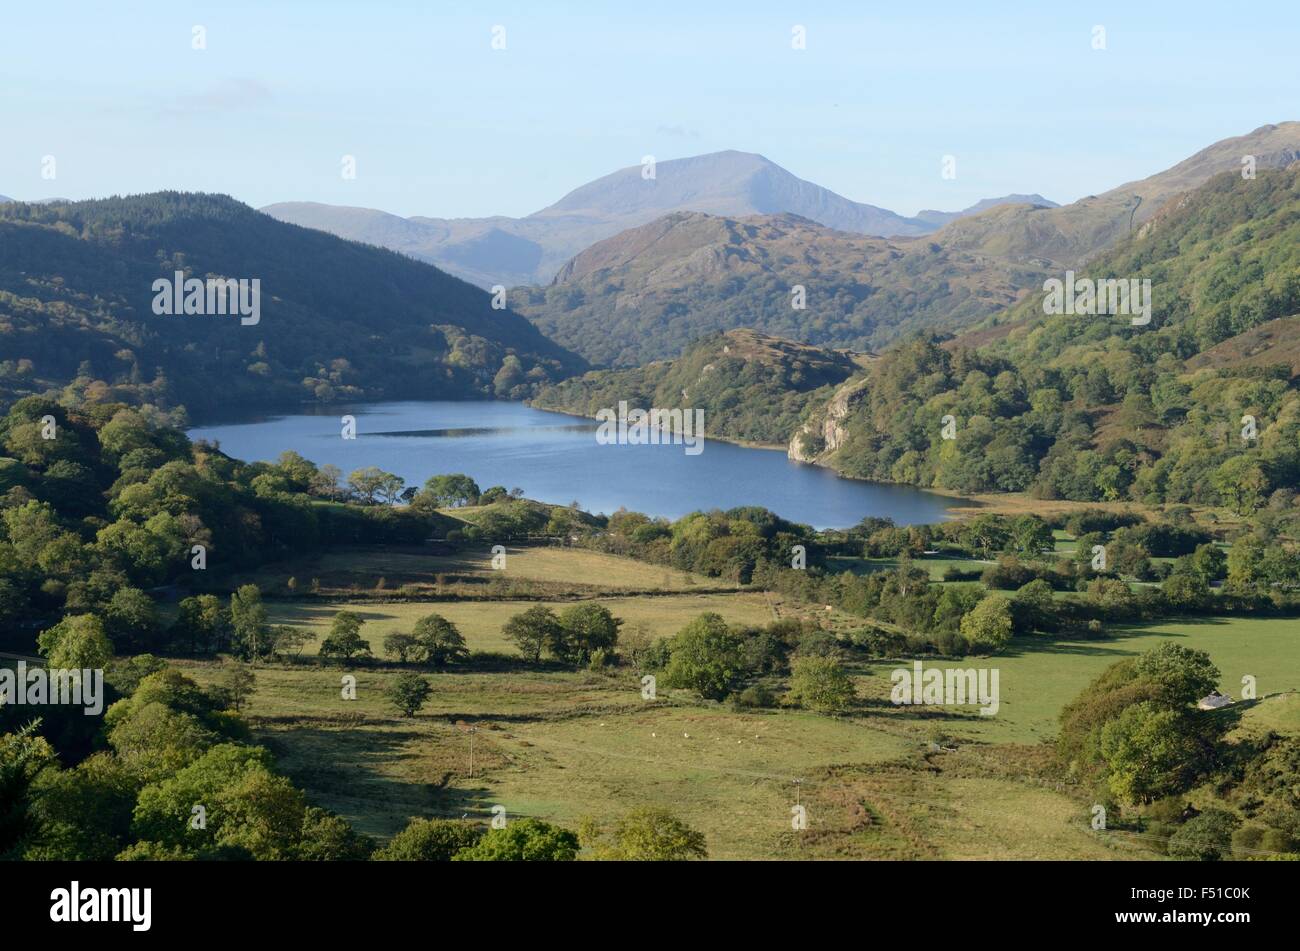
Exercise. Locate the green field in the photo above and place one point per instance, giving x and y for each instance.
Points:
(936, 565)
(565, 745)
(481, 621)
(569, 745)
(374, 571)
(1277, 712)
(1037, 676)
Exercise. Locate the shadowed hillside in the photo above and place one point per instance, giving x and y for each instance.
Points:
(338, 319)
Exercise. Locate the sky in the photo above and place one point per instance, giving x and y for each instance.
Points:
(440, 123)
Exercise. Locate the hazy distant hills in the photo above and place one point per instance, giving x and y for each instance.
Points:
(723, 183)
(644, 293)
(339, 320)
(511, 251)
(941, 218)
(347, 320)
(36, 201)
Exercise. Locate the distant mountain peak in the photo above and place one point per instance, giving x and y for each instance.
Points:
(736, 184)
(940, 218)
(532, 249)
(731, 183)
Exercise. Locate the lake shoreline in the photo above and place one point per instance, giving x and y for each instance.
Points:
(742, 443)
(555, 460)
(239, 416)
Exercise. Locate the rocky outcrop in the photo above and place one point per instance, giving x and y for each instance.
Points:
(827, 424)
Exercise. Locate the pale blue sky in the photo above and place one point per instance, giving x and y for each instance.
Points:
(443, 125)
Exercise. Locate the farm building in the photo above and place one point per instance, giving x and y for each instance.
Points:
(1214, 701)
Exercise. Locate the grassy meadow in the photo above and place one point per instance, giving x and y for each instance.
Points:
(481, 621)
(383, 572)
(566, 745)
(570, 745)
(1039, 676)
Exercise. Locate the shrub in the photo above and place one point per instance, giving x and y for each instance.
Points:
(821, 684)
(988, 627)
(430, 840)
(408, 692)
(755, 697)
(1205, 838)
(523, 840)
(878, 642)
(645, 835)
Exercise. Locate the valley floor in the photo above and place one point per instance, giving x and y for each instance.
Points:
(565, 745)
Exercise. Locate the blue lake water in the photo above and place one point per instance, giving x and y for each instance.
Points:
(555, 458)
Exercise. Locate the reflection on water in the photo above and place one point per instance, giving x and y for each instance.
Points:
(555, 458)
(487, 430)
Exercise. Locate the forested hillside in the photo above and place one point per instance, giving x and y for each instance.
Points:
(1094, 408)
(114, 503)
(648, 292)
(338, 320)
(104, 513)
(752, 387)
(645, 293)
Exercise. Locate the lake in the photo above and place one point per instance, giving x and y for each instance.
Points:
(556, 459)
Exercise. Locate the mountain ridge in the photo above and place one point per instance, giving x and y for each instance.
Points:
(647, 292)
(1070, 234)
(339, 319)
(644, 293)
(1094, 408)
(941, 218)
(531, 250)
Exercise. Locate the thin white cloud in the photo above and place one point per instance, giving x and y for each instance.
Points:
(227, 95)
(680, 131)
